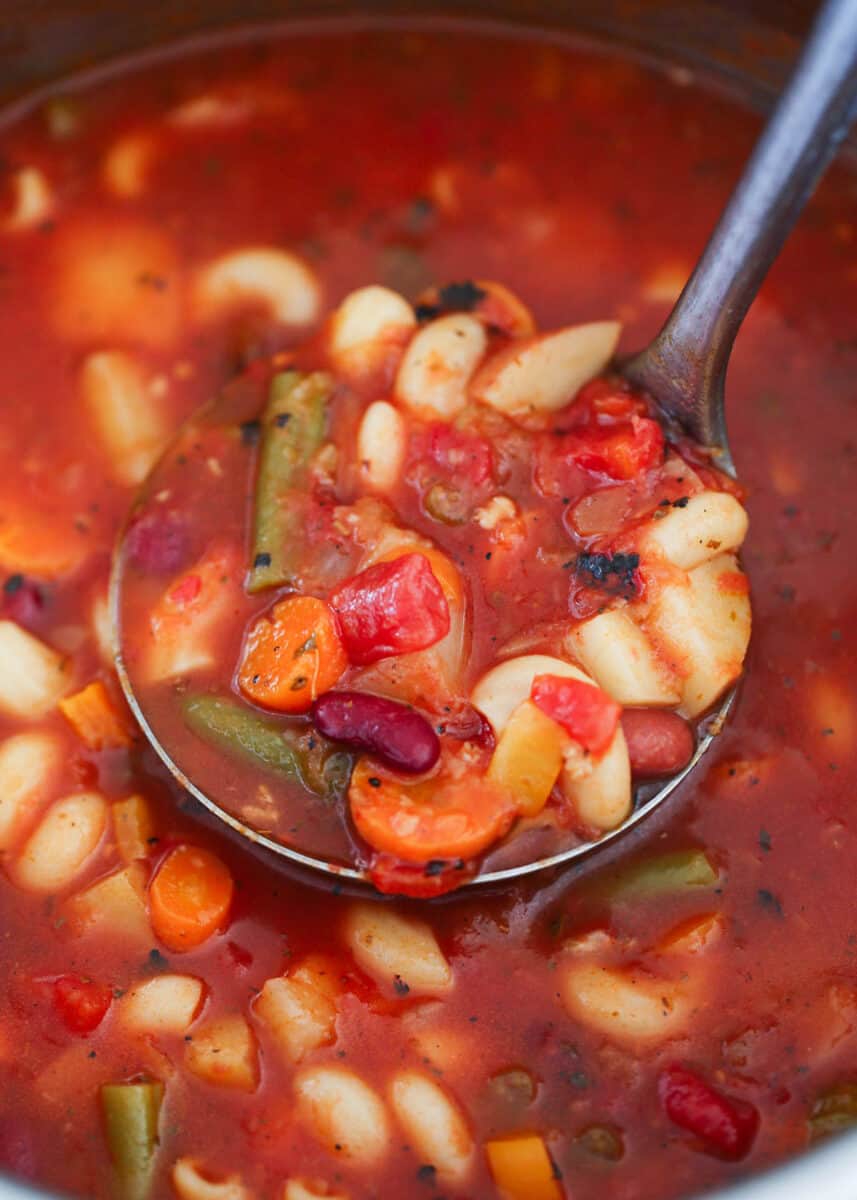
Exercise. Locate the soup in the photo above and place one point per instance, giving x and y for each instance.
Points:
(184, 1017)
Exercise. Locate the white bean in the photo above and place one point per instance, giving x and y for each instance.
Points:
(276, 279)
(344, 1113)
(166, 1004)
(622, 661)
(367, 324)
(438, 365)
(32, 201)
(390, 947)
(602, 795)
(381, 444)
(123, 414)
(33, 676)
(299, 1017)
(625, 1005)
(29, 764)
(434, 1124)
(546, 372)
(192, 1181)
(711, 523)
(61, 844)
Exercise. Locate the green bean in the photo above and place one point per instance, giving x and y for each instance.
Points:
(676, 871)
(293, 428)
(131, 1112)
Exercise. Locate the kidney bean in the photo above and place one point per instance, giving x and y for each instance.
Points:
(392, 732)
(158, 541)
(659, 742)
(725, 1125)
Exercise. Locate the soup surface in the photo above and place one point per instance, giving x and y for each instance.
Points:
(180, 1016)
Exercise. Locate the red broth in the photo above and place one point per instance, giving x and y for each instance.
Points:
(587, 184)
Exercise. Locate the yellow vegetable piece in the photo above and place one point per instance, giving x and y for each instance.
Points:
(94, 718)
(133, 826)
(528, 758)
(522, 1168)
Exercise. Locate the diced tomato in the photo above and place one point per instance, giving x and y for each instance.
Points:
(391, 608)
(586, 713)
(620, 452)
(725, 1125)
(464, 456)
(81, 1003)
(610, 400)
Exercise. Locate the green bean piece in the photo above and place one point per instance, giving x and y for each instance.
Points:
(834, 1109)
(293, 428)
(602, 1141)
(131, 1112)
(303, 756)
(677, 871)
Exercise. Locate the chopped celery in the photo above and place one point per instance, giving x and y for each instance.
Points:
(131, 1112)
(676, 871)
(834, 1109)
(303, 756)
(293, 427)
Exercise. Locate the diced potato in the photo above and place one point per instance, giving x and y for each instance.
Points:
(528, 757)
(115, 906)
(123, 414)
(710, 524)
(299, 1016)
(32, 201)
(344, 1113)
(274, 279)
(223, 1052)
(126, 165)
(522, 1169)
(546, 372)
(435, 1126)
(622, 661)
(302, 1189)
(438, 364)
(29, 765)
(33, 676)
(601, 795)
(165, 1004)
(625, 1006)
(367, 326)
(193, 1181)
(390, 947)
(381, 445)
(502, 689)
(702, 624)
(61, 844)
(133, 826)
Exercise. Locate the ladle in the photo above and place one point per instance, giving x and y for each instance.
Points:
(684, 367)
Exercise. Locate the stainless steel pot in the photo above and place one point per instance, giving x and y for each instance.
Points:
(746, 45)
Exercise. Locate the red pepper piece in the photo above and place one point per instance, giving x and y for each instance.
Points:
(725, 1125)
(392, 608)
(586, 713)
(81, 1003)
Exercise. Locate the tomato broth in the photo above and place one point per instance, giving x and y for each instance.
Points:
(177, 1008)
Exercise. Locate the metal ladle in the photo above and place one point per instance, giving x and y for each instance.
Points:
(685, 366)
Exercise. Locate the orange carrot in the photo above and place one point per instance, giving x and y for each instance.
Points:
(189, 898)
(95, 718)
(292, 656)
(522, 1168)
(134, 828)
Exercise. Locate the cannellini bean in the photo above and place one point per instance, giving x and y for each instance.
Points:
(434, 1124)
(123, 414)
(32, 201)
(61, 844)
(438, 364)
(602, 796)
(622, 661)
(192, 1181)
(299, 1016)
(344, 1113)
(224, 1053)
(546, 372)
(367, 324)
(275, 279)
(33, 676)
(391, 947)
(711, 523)
(126, 165)
(301, 1189)
(29, 765)
(102, 628)
(499, 692)
(703, 624)
(624, 1005)
(115, 907)
(166, 1004)
(381, 444)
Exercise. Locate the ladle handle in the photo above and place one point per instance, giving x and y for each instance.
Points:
(686, 364)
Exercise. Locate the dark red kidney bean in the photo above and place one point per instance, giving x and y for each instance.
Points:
(725, 1125)
(659, 742)
(392, 732)
(158, 542)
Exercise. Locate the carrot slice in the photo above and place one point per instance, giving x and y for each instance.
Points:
(292, 656)
(189, 898)
(95, 719)
(448, 816)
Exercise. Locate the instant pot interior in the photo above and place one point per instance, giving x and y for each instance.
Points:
(747, 43)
